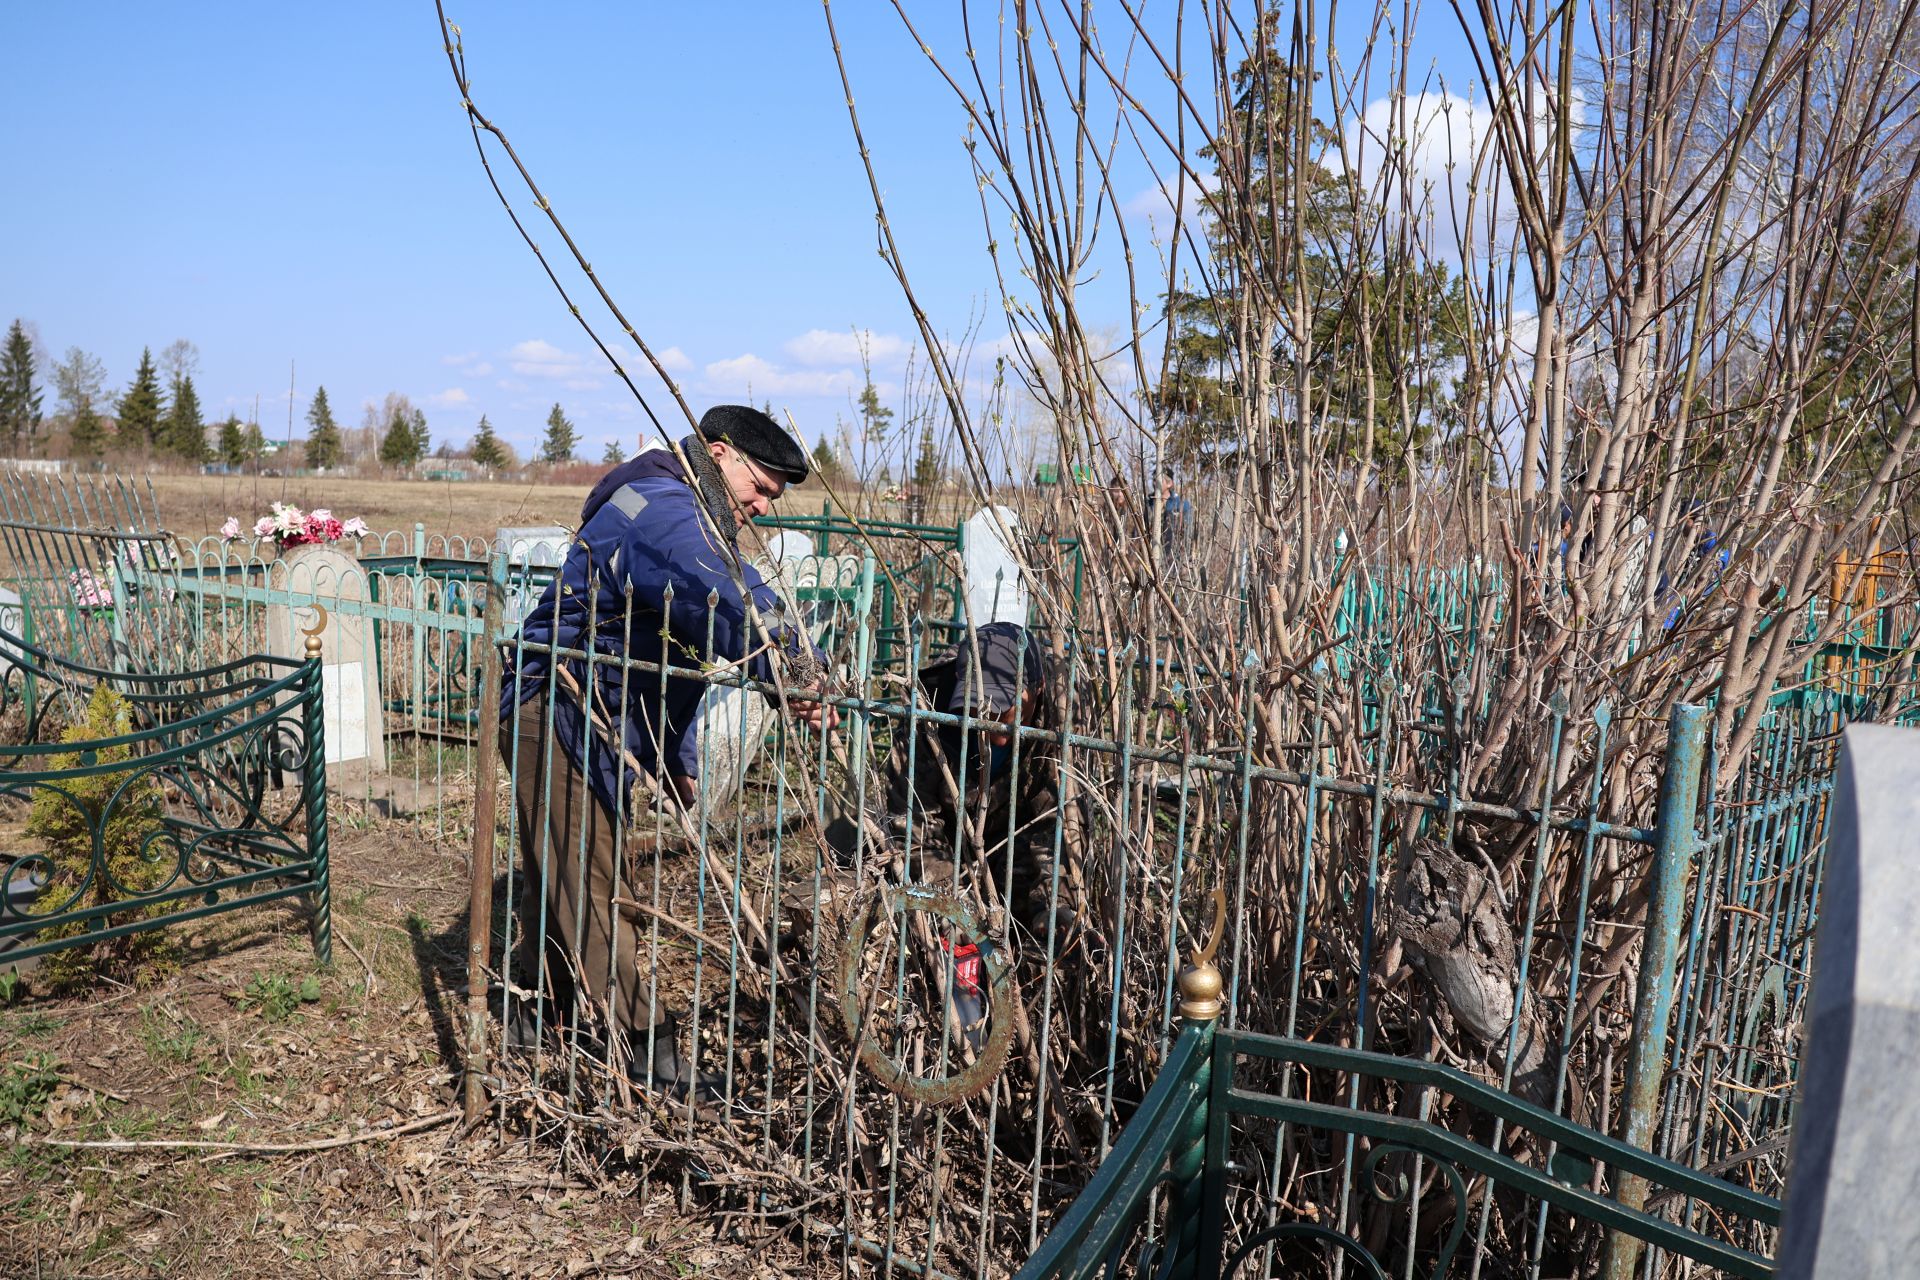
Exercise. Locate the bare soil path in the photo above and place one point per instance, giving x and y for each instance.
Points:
(361, 1080)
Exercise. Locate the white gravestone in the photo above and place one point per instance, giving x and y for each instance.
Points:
(349, 666)
(995, 588)
(527, 548)
(534, 546)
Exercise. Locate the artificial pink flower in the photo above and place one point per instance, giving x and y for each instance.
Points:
(231, 529)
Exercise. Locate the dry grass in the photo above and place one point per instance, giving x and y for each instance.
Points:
(190, 1059)
(195, 506)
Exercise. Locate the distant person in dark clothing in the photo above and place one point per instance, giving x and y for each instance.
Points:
(998, 673)
(1176, 523)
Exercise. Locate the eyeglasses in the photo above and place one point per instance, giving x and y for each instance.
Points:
(763, 484)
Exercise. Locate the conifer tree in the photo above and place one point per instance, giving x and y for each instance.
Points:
(614, 453)
(422, 442)
(253, 445)
(19, 399)
(558, 446)
(487, 450)
(184, 433)
(400, 447)
(325, 449)
(825, 463)
(80, 380)
(926, 467)
(139, 409)
(87, 437)
(233, 445)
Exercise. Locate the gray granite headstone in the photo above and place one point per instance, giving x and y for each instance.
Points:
(1855, 1169)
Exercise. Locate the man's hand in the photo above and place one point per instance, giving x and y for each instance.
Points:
(820, 715)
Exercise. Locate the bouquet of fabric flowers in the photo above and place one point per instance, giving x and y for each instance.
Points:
(289, 526)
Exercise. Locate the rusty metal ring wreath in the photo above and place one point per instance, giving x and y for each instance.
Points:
(937, 1091)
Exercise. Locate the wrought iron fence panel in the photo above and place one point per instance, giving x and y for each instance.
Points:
(208, 798)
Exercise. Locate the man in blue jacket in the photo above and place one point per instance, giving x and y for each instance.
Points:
(656, 544)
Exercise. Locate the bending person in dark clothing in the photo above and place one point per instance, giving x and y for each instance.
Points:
(651, 551)
(998, 673)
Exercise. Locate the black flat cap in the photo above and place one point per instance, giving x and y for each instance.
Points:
(759, 437)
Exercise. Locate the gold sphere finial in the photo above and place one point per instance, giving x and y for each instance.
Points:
(1200, 988)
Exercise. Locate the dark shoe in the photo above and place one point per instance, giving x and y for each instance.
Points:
(670, 1071)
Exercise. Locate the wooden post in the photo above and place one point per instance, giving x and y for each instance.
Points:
(485, 809)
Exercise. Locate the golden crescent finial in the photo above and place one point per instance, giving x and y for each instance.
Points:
(312, 633)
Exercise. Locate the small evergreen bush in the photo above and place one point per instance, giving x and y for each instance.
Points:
(68, 821)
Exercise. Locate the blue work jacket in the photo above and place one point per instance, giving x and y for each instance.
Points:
(640, 539)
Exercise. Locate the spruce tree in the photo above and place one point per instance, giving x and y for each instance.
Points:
(19, 399)
(399, 448)
(486, 449)
(184, 433)
(422, 442)
(614, 453)
(87, 437)
(233, 445)
(926, 467)
(139, 410)
(324, 446)
(80, 379)
(253, 445)
(558, 446)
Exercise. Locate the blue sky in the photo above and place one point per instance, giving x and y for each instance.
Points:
(296, 183)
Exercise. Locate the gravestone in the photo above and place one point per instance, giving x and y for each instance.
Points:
(529, 548)
(733, 724)
(533, 546)
(349, 665)
(996, 590)
(1855, 1161)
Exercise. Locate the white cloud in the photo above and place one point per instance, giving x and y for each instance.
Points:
(1433, 142)
(749, 374)
(464, 358)
(537, 358)
(1155, 204)
(675, 359)
(452, 397)
(818, 347)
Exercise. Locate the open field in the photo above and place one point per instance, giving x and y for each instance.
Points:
(195, 506)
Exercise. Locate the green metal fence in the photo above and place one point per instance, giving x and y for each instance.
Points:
(809, 926)
(1193, 1188)
(207, 795)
